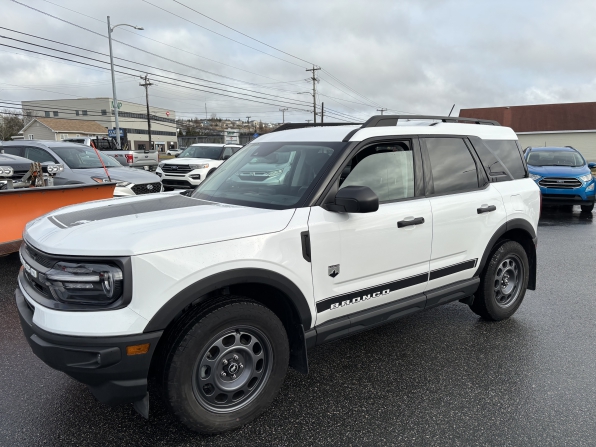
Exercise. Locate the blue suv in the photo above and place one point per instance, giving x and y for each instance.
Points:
(563, 175)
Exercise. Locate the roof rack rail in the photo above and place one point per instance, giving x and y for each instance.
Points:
(290, 126)
(391, 120)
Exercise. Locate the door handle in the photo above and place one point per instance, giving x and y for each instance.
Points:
(407, 223)
(486, 209)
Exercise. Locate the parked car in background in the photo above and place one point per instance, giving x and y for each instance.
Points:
(194, 164)
(143, 159)
(12, 168)
(173, 151)
(563, 175)
(82, 165)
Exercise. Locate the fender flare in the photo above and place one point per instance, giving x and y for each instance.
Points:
(186, 297)
(513, 224)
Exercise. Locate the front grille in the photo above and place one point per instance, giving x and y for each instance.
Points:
(560, 183)
(561, 197)
(18, 175)
(176, 168)
(253, 176)
(40, 257)
(147, 188)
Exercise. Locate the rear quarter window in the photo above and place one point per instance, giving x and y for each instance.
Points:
(496, 155)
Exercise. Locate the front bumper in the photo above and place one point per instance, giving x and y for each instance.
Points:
(565, 198)
(99, 362)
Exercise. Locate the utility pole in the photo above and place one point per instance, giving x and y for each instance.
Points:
(205, 110)
(147, 84)
(322, 112)
(314, 80)
(283, 114)
(381, 110)
(115, 98)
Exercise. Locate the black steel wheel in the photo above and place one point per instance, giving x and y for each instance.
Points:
(503, 282)
(508, 280)
(232, 369)
(215, 383)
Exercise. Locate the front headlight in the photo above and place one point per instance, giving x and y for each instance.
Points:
(83, 283)
(585, 178)
(160, 165)
(6, 171)
(275, 173)
(205, 166)
(535, 177)
(100, 179)
(123, 184)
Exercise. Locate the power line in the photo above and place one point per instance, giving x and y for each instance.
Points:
(219, 34)
(245, 35)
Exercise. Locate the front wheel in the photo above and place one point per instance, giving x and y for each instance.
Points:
(587, 208)
(227, 367)
(503, 283)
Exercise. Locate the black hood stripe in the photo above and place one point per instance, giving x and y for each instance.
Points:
(127, 208)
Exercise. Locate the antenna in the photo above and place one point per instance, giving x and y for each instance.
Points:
(451, 110)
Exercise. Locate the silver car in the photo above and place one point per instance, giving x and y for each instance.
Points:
(82, 165)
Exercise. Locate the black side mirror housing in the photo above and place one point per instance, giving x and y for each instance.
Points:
(356, 199)
(176, 156)
(591, 165)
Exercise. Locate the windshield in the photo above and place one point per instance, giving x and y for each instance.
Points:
(210, 152)
(271, 175)
(84, 158)
(555, 158)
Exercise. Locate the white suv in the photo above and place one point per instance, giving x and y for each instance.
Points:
(303, 237)
(194, 164)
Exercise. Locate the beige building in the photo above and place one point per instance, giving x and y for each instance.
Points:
(132, 118)
(60, 129)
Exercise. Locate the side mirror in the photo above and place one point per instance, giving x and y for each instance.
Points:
(356, 199)
(591, 165)
(177, 155)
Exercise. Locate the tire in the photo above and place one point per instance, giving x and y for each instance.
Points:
(240, 338)
(503, 283)
(587, 208)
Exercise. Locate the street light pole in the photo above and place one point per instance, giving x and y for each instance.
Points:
(115, 98)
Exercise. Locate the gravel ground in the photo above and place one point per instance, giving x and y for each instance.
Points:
(442, 377)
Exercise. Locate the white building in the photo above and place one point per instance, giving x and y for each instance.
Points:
(132, 118)
(60, 129)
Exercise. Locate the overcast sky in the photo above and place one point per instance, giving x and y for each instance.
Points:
(418, 56)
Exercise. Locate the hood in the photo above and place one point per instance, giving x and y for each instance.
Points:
(15, 162)
(138, 225)
(188, 161)
(559, 171)
(123, 174)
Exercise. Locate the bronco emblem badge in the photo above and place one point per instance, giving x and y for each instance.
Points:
(333, 270)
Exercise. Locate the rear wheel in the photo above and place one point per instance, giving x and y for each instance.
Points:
(227, 366)
(587, 208)
(503, 283)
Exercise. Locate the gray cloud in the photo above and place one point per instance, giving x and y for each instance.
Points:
(412, 55)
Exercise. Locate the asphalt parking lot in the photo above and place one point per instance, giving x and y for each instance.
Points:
(442, 377)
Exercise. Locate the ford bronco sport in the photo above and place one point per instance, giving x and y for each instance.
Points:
(354, 227)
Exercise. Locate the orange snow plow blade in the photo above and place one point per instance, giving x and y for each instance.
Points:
(23, 205)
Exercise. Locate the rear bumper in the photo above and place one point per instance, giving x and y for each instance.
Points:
(99, 362)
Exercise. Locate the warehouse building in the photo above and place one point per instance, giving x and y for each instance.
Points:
(571, 124)
(132, 119)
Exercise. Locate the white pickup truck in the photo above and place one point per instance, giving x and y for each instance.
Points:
(146, 159)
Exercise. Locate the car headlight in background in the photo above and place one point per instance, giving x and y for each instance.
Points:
(55, 169)
(275, 173)
(590, 188)
(160, 165)
(83, 283)
(6, 171)
(100, 179)
(535, 177)
(585, 178)
(123, 184)
(205, 166)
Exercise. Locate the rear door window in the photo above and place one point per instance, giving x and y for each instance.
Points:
(453, 167)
